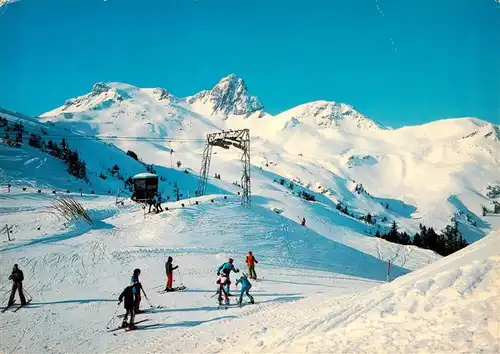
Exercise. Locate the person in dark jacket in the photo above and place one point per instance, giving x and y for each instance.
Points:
(169, 269)
(129, 304)
(17, 278)
(158, 203)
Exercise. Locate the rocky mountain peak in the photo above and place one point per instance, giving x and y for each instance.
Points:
(229, 97)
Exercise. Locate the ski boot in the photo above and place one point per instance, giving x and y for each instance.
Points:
(125, 324)
(227, 302)
(131, 327)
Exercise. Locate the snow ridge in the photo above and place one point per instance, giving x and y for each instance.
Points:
(325, 114)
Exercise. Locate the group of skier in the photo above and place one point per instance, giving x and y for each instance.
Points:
(156, 201)
(224, 280)
(131, 295)
(131, 298)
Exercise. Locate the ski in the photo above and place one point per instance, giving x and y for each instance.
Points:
(120, 327)
(151, 309)
(19, 307)
(7, 307)
(179, 288)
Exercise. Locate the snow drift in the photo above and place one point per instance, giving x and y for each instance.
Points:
(451, 306)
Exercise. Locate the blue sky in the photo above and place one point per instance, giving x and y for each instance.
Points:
(409, 63)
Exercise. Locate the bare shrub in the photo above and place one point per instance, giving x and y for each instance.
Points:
(70, 209)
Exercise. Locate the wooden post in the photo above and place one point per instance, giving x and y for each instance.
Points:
(388, 269)
(8, 232)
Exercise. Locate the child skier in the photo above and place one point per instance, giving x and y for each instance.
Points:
(222, 280)
(136, 289)
(245, 288)
(169, 269)
(226, 269)
(251, 261)
(129, 305)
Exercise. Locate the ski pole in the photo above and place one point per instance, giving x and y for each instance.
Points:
(116, 310)
(146, 297)
(180, 276)
(27, 293)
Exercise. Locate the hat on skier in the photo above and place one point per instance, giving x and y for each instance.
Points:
(250, 253)
(170, 259)
(137, 271)
(230, 260)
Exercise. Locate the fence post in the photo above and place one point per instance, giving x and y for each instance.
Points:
(388, 269)
(8, 232)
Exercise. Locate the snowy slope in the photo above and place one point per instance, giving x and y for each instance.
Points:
(33, 168)
(451, 306)
(75, 272)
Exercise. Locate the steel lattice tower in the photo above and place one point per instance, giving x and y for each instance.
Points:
(239, 139)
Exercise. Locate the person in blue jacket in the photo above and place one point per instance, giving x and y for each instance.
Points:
(245, 288)
(136, 289)
(226, 268)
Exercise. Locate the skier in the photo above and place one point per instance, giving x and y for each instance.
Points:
(245, 288)
(152, 202)
(169, 269)
(303, 222)
(158, 203)
(251, 265)
(17, 278)
(136, 289)
(129, 305)
(222, 280)
(226, 268)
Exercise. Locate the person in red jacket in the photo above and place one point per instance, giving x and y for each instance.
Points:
(251, 265)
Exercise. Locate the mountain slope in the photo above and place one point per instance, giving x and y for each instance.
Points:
(326, 147)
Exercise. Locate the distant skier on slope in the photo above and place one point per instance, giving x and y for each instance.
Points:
(129, 305)
(17, 278)
(158, 203)
(169, 269)
(222, 280)
(303, 222)
(226, 269)
(251, 261)
(136, 289)
(245, 288)
(152, 202)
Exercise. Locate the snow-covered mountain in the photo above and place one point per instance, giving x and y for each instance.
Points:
(326, 114)
(229, 97)
(422, 174)
(319, 144)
